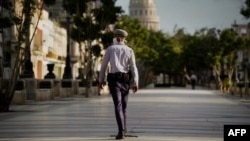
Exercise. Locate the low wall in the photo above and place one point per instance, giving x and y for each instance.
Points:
(56, 87)
(75, 84)
(20, 93)
(48, 89)
(66, 89)
(30, 87)
(81, 87)
(44, 90)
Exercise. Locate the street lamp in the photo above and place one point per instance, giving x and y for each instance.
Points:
(28, 66)
(67, 70)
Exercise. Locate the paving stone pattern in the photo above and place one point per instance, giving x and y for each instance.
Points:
(154, 114)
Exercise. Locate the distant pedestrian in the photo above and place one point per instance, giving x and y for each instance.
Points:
(122, 70)
(193, 79)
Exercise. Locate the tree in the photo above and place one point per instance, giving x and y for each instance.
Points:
(8, 19)
(181, 59)
(165, 61)
(245, 10)
(231, 44)
(200, 52)
(91, 19)
(214, 49)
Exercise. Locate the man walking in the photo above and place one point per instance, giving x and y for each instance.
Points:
(122, 70)
(193, 80)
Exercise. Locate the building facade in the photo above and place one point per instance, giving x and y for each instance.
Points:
(48, 46)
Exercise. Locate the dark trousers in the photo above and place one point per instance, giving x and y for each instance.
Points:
(193, 82)
(120, 92)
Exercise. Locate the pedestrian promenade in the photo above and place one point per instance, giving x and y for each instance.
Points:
(154, 114)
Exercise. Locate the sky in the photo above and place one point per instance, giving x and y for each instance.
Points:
(193, 15)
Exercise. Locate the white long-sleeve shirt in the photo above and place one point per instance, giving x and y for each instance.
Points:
(121, 59)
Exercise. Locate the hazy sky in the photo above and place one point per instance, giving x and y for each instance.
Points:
(193, 15)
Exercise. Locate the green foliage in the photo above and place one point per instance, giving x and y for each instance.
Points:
(228, 41)
(80, 32)
(75, 6)
(108, 13)
(96, 50)
(6, 22)
(165, 61)
(6, 4)
(138, 37)
(7, 18)
(49, 2)
(152, 48)
(90, 22)
(107, 39)
(245, 10)
(137, 34)
(227, 83)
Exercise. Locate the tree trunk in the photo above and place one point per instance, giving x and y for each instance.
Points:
(89, 82)
(89, 75)
(246, 81)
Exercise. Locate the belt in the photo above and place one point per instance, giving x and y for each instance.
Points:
(119, 76)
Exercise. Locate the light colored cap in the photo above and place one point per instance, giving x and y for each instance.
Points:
(121, 32)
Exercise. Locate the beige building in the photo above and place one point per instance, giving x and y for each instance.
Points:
(77, 51)
(145, 11)
(48, 46)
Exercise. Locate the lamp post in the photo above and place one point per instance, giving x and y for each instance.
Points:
(67, 70)
(28, 66)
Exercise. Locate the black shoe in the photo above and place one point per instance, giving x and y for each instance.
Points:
(120, 135)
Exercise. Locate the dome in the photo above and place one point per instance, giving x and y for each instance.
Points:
(145, 11)
(142, 3)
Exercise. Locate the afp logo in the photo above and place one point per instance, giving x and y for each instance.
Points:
(236, 132)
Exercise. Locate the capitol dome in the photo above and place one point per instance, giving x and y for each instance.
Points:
(145, 11)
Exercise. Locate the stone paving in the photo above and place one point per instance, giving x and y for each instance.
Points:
(154, 114)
